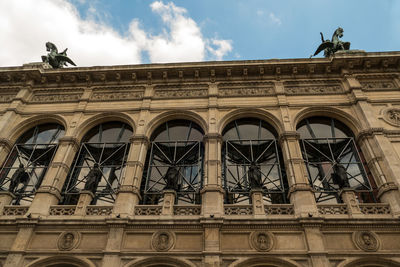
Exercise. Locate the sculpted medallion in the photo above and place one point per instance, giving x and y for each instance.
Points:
(366, 240)
(262, 241)
(163, 240)
(68, 240)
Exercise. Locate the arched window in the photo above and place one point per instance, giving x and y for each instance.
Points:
(333, 160)
(100, 163)
(174, 162)
(252, 160)
(27, 163)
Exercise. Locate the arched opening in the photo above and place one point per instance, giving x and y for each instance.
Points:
(333, 160)
(174, 162)
(61, 261)
(251, 159)
(26, 165)
(100, 163)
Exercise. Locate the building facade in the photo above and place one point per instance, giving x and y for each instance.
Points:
(280, 163)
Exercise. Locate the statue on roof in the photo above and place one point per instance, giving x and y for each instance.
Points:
(331, 47)
(55, 59)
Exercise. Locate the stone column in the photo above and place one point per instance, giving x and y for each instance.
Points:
(114, 242)
(315, 242)
(129, 192)
(212, 241)
(212, 192)
(379, 153)
(49, 192)
(18, 249)
(85, 198)
(258, 203)
(168, 204)
(349, 198)
(300, 191)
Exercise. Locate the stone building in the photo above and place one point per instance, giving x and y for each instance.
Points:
(280, 163)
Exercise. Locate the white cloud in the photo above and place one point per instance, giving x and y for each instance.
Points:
(26, 26)
(274, 19)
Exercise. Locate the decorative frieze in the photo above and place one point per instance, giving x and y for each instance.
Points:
(7, 94)
(51, 96)
(117, 93)
(386, 84)
(245, 89)
(181, 91)
(313, 87)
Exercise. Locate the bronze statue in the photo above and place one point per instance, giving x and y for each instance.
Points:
(93, 178)
(254, 175)
(19, 176)
(55, 59)
(172, 179)
(331, 47)
(339, 176)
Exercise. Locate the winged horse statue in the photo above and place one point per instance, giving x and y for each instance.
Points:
(55, 59)
(331, 47)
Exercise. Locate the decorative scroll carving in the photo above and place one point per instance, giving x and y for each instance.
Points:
(375, 208)
(62, 210)
(7, 94)
(332, 209)
(163, 240)
(245, 89)
(377, 85)
(187, 210)
(99, 210)
(117, 93)
(238, 209)
(68, 240)
(279, 209)
(313, 87)
(392, 116)
(148, 210)
(262, 241)
(366, 240)
(181, 91)
(15, 210)
(6, 98)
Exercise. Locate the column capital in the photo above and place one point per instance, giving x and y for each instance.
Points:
(139, 138)
(50, 190)
(69, 140)
(5, 143)
(299, 187)
(211, 136)
(288, 135)
(386, 187)
(369, 133)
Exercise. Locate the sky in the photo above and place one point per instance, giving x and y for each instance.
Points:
(124, 32)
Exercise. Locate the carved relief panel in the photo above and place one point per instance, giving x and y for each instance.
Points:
(56, 95)
(117, 93)
(313, 87)
(181, 91)
(245, 89)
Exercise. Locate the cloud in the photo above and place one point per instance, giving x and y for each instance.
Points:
(26, 26)
(274, 19)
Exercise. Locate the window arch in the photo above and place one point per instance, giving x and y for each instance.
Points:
(27, 163)
(174, 162)
(251, 159)
(333, 160)
(100, 163)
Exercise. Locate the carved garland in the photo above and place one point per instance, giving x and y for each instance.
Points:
(377, 84)
(245, 89)
(313, 87)
(43, 96)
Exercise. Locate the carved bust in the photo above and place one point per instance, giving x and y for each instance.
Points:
(366, 240)
(163, 240)
(262, 241)
(68, 240)
(392, 116)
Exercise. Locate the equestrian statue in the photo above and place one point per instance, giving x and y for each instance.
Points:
(331, 47)
(55, 59)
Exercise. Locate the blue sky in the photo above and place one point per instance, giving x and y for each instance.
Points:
(216, 29)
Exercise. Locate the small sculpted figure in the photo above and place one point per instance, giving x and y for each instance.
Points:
(19, 176)
(331, 47)
(339, 176)
(172, 179)
(254, 175)
(93, 178)
(55, 59)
